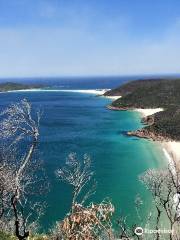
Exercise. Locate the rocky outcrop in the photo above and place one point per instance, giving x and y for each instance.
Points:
(148, 132)
(149, 120)
(144, 133)
(118, 108)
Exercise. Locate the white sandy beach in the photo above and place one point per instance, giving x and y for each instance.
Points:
(88, 91)
(91, 91)
(148, 111)
(171, 150)
(113, 97)
(99, 92)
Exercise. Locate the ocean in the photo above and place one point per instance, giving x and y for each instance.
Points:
(79, 122)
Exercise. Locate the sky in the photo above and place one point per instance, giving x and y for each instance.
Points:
(89, 37)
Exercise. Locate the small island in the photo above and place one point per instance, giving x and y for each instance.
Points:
(151, 94)
(11, 86)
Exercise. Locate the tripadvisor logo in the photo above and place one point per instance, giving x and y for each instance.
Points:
(138, 231)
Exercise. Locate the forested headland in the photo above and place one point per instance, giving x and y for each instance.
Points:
(152, 93)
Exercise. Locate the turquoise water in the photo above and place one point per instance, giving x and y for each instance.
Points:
(81, 123)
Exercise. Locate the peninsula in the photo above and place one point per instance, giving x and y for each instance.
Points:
(11, 86)
(152, 94)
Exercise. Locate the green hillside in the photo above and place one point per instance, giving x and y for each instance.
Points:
(156, 93)
(9, 86)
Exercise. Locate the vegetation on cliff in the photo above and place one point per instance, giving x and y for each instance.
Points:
(154, 93)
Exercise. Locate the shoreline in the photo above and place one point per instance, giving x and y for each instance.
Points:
(98, 92)
(22, 90)
(170, 148)
(112, 97)
(146, 112)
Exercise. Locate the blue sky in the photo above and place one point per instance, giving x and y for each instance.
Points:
(89, 37)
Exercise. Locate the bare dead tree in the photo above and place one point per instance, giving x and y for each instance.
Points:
(83, 222)
(126, 231)
(19, 133)
(164, 186)
(77, 174)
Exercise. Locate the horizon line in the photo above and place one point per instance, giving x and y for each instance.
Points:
(90, 76)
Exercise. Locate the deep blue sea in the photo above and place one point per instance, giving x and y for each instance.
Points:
(81, 123)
